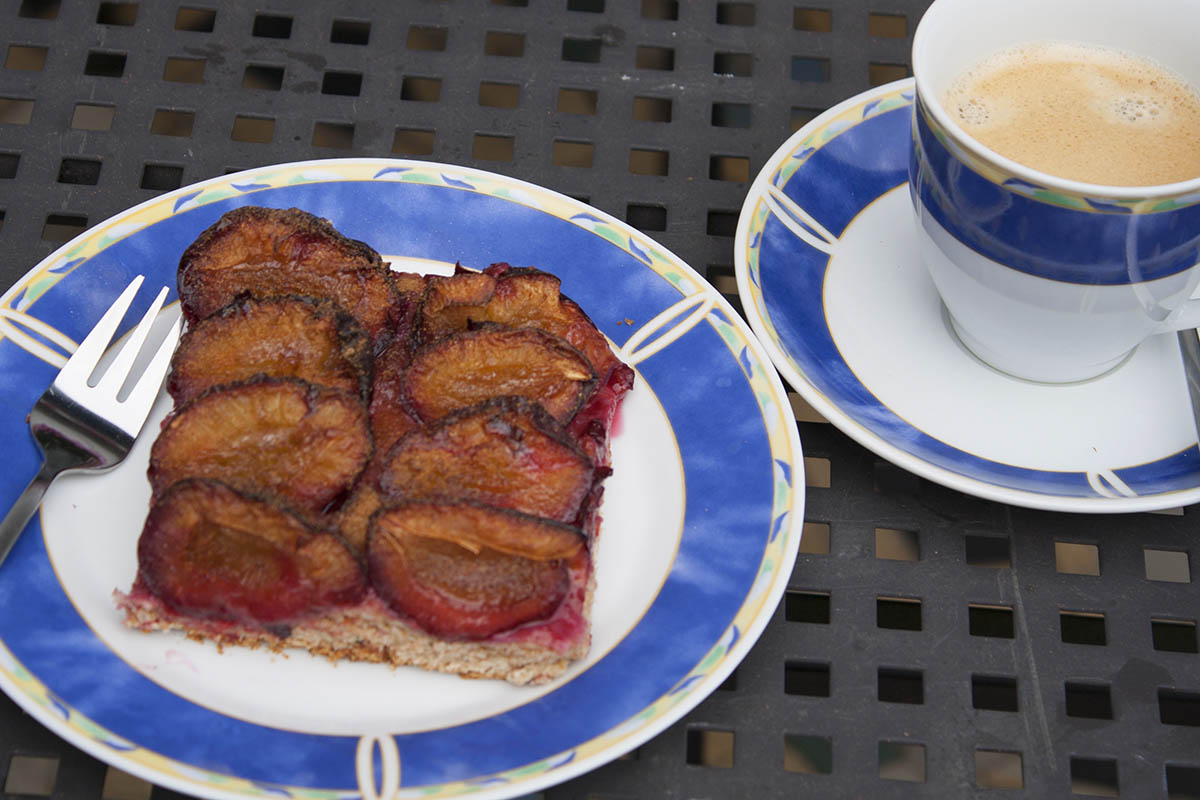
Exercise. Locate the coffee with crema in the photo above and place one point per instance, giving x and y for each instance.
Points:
(1082, 112)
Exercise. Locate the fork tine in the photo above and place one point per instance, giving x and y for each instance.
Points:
(118, 371)
(80, 365)
(145, 391)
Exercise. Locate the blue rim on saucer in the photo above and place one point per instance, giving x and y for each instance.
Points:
(738, 448)
(806, 196)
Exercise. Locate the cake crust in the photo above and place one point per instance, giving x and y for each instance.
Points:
(370, 632)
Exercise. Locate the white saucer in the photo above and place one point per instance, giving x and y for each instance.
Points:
(831, 282)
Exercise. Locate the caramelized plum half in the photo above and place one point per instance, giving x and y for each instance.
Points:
(283, 337)
(410, 283)
(282, 437)
(411, 288)
(592, 426)
(270, 252)
(389, 418)
(452, 302)
(209, 551)
(354, 517)
(467, 368)
(451, 569)
(505, 452)
(516, 297)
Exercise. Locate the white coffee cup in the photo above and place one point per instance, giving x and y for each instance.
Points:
(1045, 278)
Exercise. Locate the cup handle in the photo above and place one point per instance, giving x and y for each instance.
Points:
(1186, 316)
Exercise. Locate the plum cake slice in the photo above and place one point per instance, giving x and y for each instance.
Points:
(374, 465)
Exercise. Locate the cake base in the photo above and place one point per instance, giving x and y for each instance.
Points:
(531, 654)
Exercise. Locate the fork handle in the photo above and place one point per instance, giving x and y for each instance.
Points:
(22, 511)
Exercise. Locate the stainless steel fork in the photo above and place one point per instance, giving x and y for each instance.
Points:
(82, 426)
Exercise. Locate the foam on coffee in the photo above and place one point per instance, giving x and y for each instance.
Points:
(1082, 112)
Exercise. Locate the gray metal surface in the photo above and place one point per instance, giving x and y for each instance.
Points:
(995, 651)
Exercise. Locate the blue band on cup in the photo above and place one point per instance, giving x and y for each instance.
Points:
(1003, 222)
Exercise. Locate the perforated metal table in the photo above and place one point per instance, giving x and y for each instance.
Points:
(930, 644)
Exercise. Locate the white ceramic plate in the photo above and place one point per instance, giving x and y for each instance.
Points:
(702, 518)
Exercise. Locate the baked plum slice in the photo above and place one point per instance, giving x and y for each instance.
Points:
(516, 297)
(283, 337)
(592, 425)
(411, 288)
(505, 452)
(467, 368)
(211, 552)
(280, 437)
(452, 302)
(465, 570)
(353, 519)
(390, 419)
(270, 252)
